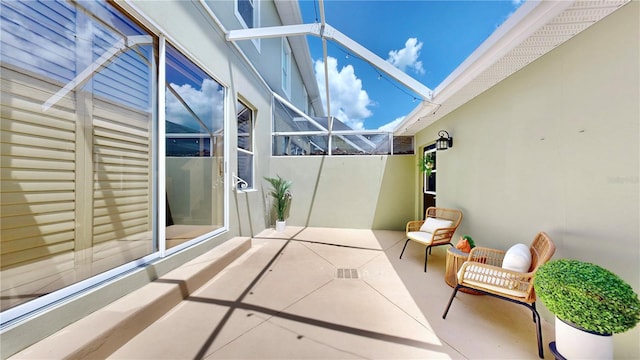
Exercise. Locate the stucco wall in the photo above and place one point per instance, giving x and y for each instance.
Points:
(555, 148)
(363, 192)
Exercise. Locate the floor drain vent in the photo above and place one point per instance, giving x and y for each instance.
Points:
(347, 274)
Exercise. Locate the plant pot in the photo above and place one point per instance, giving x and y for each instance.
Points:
(575, 343)
(281, 225)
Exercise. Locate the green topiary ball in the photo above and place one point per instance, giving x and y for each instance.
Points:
(588, 296)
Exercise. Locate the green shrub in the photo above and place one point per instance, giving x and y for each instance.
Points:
(588, 296)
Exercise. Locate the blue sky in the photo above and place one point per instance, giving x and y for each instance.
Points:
(426, 39)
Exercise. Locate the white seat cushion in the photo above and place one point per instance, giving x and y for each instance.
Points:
(432, 224)
(421, 237)
(517, 258)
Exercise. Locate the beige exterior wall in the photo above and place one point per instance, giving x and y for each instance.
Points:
(360, 192)
(555, 148)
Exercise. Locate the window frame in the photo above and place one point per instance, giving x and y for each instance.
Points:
(238, 179)
(426, 188)
(255, 15)
(162, 156)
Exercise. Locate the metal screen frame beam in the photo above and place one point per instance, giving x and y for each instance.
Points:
(330, 33)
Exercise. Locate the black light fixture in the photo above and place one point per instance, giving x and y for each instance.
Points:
(445, 141)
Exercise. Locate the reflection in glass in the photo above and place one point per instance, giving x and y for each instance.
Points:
(245, 8)
(245, 168)
(194, 150)
(76, 200)
(403, 145)
(245, 127)
(189, 146)
(361, 144)
(245, 144)
(300, 145)
(295, 133)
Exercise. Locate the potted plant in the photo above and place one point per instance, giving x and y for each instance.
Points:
(590, 304)
(282, 198)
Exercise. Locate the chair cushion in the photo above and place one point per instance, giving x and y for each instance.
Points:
(422, 237)
(517, 258)
(430, 225)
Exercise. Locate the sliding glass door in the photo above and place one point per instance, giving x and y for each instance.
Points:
(78, 82)
(194, 129)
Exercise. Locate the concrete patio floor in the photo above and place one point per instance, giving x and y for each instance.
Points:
(284, 299)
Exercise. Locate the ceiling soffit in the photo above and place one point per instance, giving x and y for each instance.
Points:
(571, 21)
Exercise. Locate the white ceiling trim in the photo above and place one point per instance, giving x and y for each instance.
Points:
(533, 30)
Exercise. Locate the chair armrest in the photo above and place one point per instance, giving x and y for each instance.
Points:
(414, 225)
(496, 280)
(486, 256)
(443, 235)
(443, 231)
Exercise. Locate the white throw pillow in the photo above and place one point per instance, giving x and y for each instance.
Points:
(517, 258)
(432, 224)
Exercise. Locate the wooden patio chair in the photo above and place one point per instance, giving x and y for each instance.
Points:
(485, 272)
(437, 229)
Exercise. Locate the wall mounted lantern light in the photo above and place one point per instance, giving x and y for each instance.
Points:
(445, 141)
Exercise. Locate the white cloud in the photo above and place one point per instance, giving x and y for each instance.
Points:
(206, 103)
(391, 125)
(407, 57)
(349, 102)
